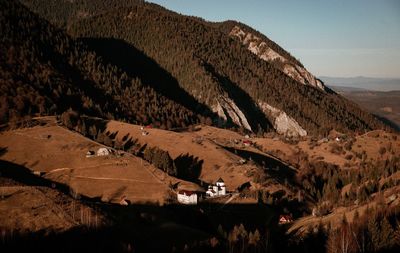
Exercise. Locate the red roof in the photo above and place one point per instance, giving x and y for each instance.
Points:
(247, 141)
(186, 192)
(285, 217)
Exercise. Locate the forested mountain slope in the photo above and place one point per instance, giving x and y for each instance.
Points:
(211, 64)
(44, 71)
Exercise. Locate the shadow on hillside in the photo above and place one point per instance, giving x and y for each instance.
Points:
(150, 228)
(133, 228)
(3, 150)
(136, 63)
(82, 87)
(188, 167)
(273, 167)
(25, 176)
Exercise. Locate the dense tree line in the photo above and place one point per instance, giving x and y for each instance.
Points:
(161, 159)
(325, 181)
(375, 230)
(45, 72)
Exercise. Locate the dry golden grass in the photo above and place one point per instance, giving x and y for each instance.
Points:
(63, 157)
(370, 143)
(217, 162)
(26, 209)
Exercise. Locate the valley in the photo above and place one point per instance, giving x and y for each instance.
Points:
(269, 167)
(128, 127)
(381, 103)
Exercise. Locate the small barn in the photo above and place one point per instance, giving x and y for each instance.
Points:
(187, 197)
(103, 152)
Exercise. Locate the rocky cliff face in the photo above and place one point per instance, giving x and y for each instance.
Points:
(283, 123)
(227, 109)
(260, 48)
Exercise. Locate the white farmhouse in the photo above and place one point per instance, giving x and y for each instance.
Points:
(103, 152)
(187, 197)
(217, 189)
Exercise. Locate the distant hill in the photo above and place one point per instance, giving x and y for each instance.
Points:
(385, 105)
(369, 83)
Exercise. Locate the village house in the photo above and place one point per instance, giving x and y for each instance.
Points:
(217, 189)
(247, 143)
(187, 197)
(285, 218)
(103, 152)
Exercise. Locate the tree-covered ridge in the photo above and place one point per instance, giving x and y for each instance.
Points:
(61, 13)
(201, 58)
(46, 72)
(205, 61)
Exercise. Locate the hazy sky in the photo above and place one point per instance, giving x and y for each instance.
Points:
(330, 37)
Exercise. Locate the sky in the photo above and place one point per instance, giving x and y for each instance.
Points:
(339, 38)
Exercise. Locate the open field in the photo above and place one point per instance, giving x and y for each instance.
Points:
(216, 161)
(61, 154)
(348, 152)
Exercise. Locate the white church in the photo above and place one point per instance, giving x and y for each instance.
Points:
(217, 189)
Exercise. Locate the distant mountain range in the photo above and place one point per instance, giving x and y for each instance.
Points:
(369, 83)
(384, 104)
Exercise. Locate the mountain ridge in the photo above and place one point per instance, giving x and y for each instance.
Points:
(372, 83)
(214, 68)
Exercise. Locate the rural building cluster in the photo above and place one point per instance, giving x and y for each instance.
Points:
(217, 189)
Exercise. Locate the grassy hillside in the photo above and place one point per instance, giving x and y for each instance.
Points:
(295, 181)
(61, 155)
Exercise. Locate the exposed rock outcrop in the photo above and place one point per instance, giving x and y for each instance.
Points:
(226, 108)
(260, 48)
(283, 123)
